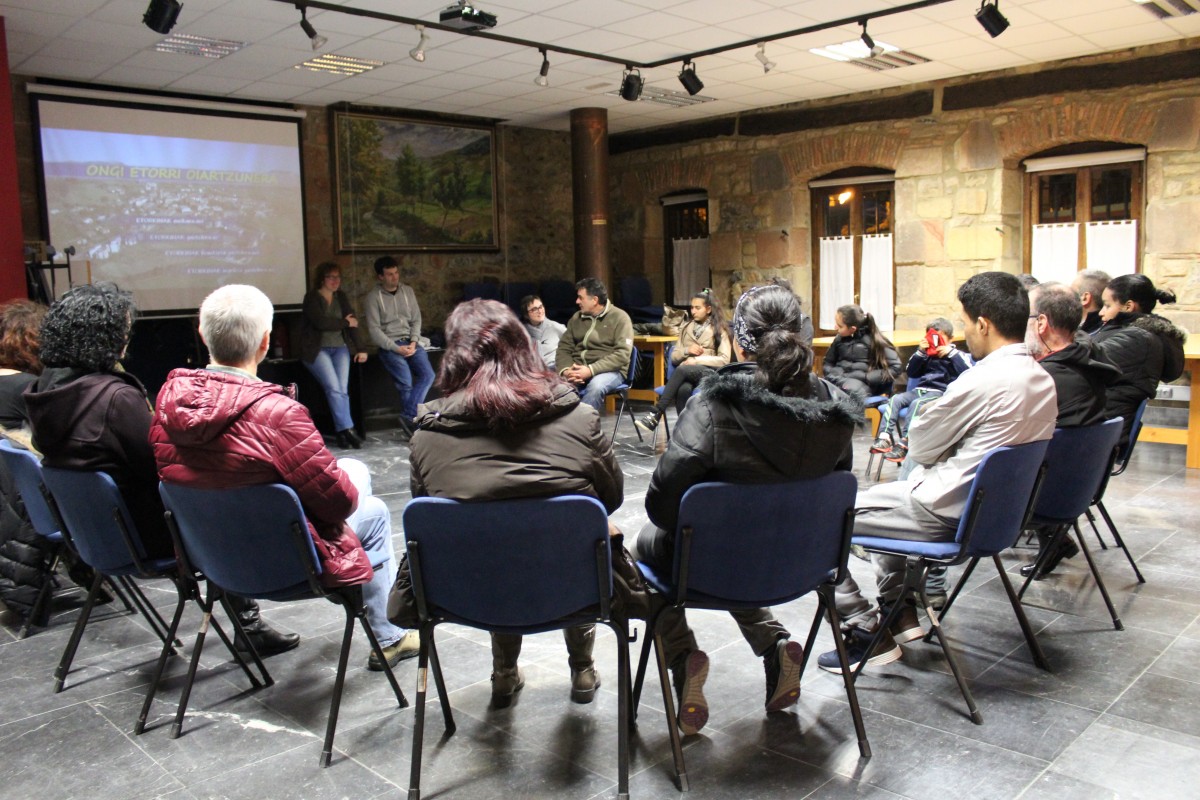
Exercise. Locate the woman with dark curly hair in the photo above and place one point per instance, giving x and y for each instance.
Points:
(506, 428)
(20, 321)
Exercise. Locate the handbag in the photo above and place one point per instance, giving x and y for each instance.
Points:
(344, 562)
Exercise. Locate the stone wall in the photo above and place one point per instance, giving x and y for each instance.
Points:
(958, 194)
(534, 188)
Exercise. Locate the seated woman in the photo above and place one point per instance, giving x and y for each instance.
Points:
(327, 345)
(765, 419)
(508, 428)
(88, 413)
(1147, 348)
(861, 361)
(703, 347)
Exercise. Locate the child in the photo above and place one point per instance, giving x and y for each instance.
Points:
(861, 361)
(930, 370)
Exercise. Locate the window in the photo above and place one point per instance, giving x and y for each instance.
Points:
(685, 237)
(853, 216)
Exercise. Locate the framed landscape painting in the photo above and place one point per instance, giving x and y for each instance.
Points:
(404, 184)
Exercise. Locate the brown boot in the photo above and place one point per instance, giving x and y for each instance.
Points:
(507, 679)
(584, 678)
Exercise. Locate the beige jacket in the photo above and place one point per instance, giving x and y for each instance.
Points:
(691, 333)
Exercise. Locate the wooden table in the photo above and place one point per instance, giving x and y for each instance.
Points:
(899, 338)
(658, 346)
(1189, 436)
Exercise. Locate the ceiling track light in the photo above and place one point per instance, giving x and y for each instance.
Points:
(991, 19)
(872, 48)
(160, 15)
(689, 79)
(543, 78)
(318, 41)
(631, 84)
(418, 52)
(761, 55)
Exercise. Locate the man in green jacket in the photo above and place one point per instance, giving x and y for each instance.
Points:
(594, 352)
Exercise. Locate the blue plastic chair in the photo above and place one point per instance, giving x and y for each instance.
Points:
(1121, 461)
(637, 300)
(622, 391)
(1078, 462)
(97, 524)
(253, 541)
(1001, 499)
(481, 290)
(791, 539)
(558, 296)
(512, 292)
(513, 566)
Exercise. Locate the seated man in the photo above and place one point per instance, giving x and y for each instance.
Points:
(394, 326)
(545, 332)
(1080, 376)
(1089, 285)
(223, 427)
(593, 353)
(1005, 399)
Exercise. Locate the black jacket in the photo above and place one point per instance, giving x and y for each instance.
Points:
(316, 321)
(1081, 378)
(24, 555)
(1147, 349)
(846, 366)
(735, 430)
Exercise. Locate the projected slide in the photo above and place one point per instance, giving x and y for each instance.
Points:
(171, 205)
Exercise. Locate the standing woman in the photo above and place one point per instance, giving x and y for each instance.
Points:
(703, 348)
(327, 343)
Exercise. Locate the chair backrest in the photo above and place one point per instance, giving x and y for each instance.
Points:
(95, 519)
(249, 540)
(634, 360)
(513, 291)
(1001, 498)
(635, 291)
(1135, 430)
(764, 544)
(26, 471)
(509, 564)
(481, 290)
(1077, 462)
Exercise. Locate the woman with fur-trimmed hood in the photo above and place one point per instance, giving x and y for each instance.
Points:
(764, 420)
(1147, 348)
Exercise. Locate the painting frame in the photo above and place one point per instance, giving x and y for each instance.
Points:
(408, 183)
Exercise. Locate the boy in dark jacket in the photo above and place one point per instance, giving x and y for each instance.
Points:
(930, 370)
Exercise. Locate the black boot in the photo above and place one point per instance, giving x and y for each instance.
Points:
(348, 438)
(649, 422)
(266, 640)
(1067, 549)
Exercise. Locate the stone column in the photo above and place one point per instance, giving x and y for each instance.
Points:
(589, 189)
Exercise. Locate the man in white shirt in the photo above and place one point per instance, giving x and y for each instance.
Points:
(394, 325)
(1006, 399)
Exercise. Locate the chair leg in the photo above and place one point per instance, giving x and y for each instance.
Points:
(267, 680)
(149, 611)
(119, 593)
(1092, 520)
(954, 593)
(811, 639)
(825, 602)
(177, 725)
(64, 666)
(1099, 580)
(378, 651)
(915, 578)
(166, 652)
(440, 682)
(643, 659)
(43, 596)
(623, 721)
(414, 774)
(666, 427)
(1120, 542)
(1035, 648)
(1052, 545)
(664, 681)
(339, 682)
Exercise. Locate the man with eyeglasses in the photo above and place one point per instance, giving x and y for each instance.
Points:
(544, 332)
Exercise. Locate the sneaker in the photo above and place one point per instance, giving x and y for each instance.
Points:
(857, 642)
(689, 677)
(905, 627)
(584, 684)
(937, 600)
(505, 685)
(898, 453)
(783, 674)
(881, 445)
(405, 647)
(649, 422)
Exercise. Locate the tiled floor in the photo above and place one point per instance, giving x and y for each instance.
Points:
(1118, 717)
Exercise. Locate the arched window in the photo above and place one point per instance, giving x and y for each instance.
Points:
(852, 251)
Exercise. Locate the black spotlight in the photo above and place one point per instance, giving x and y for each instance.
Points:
(631, 85)
(687, 76)
(161, 15)
(991, 19)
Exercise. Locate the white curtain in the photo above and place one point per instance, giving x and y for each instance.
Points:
(690, 268)
(1112, 246)
(837, 277)
(1056, 252)
(875, 283)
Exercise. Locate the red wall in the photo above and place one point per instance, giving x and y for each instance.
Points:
(12, 259)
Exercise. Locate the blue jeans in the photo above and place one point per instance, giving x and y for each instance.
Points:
(331, 368)
(412, 376)
(372, 523)
(595, 390)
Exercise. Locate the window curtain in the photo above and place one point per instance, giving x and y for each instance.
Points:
(875, 285)
(690, 268)
(1056, 252)
(837, 277)
(1112, 246)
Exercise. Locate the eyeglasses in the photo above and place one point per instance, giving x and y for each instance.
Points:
(536, 308)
